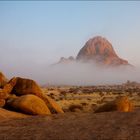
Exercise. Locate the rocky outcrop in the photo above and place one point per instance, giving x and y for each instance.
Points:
(26, 96)
(122, 104)
(100, 51)
(28, 86)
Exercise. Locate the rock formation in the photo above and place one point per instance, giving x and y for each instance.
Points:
(97, 50)
(100, 51)
(122, 104)
(27, 86)
(26, 96)
(64, 60)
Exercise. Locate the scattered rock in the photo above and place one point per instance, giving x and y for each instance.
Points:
(124, 104)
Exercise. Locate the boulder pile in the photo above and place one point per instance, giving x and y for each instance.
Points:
(25, 96)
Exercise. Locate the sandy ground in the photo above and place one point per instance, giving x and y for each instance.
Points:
(74, 126)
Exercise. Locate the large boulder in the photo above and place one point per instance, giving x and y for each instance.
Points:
(53, 106)
(3, 80)
(26, 86)
(122, 104)
(29, 104)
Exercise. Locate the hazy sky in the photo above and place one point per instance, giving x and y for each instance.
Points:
(33, 34)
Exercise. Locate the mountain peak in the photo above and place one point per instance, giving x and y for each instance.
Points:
(100, 51)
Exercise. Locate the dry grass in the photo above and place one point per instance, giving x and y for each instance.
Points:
(67, 96)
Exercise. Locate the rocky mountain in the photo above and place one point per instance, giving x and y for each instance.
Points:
(100, 51)
(97, 50)
(64, 60)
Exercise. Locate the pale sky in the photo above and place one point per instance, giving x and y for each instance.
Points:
(34, 34)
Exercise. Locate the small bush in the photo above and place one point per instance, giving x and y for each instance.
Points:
(84, 104)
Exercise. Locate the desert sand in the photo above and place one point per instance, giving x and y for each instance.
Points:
(74, 126)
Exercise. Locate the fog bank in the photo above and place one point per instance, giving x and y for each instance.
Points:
(89, 74)
(63, 74)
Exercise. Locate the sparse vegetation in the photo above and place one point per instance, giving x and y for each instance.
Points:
(89, 97)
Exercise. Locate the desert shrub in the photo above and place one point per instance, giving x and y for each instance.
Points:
(63, 93)
(61, 98)
(52, 95)
(84, 104)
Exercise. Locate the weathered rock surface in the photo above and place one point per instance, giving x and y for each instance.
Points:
(29, 104)
(122, 104)
(9, 86)
(5, 92)
(53, 106)
(3, 80)
(2, 102)
(26, 86)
